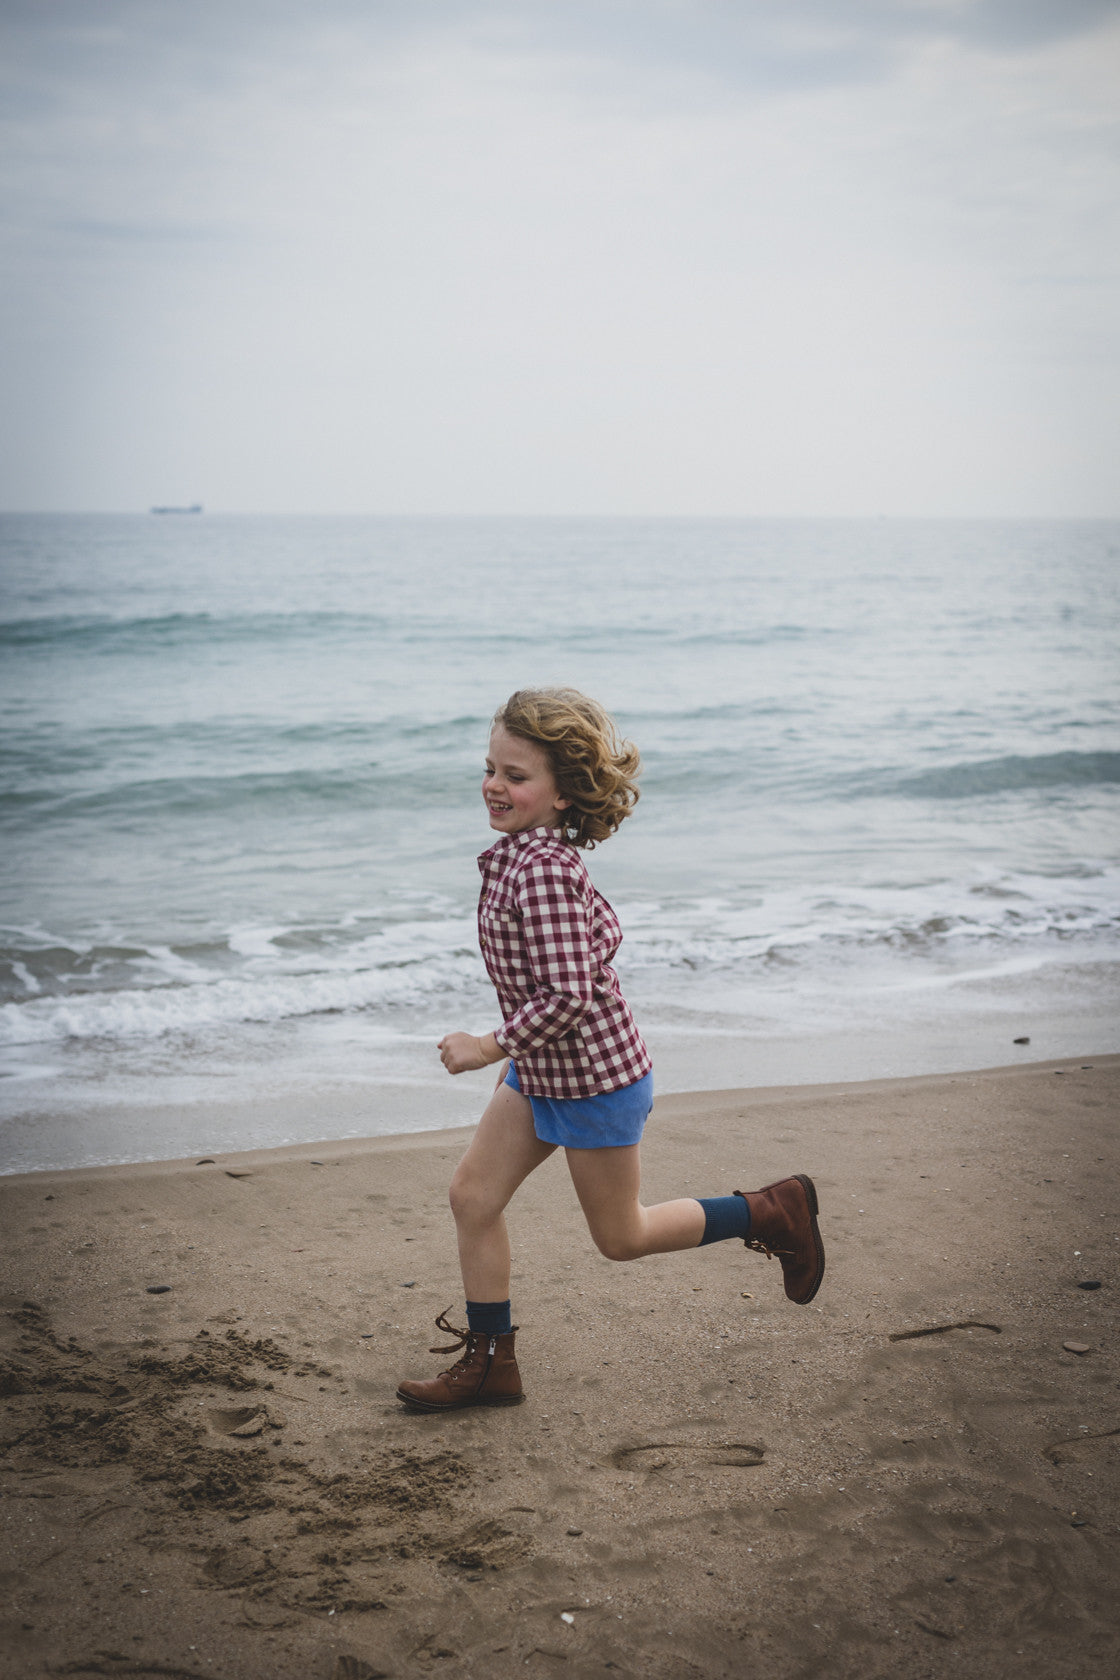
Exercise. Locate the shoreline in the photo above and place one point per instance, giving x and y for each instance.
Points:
(675, 1106)
(315, 1102)
(913, 1475)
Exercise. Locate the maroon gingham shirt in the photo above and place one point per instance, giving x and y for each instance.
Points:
(547, 940)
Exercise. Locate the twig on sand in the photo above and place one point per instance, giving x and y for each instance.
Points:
(940, 1329)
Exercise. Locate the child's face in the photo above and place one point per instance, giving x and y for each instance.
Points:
(518, 786)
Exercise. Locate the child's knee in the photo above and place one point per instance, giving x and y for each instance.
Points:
(615, 1245)
(459, 1196)
(469, 1201)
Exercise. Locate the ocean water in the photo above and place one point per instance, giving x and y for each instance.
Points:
(879, 831)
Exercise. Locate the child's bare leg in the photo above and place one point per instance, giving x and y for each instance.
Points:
(779, 1220)
(503, 1152)
(607, 1183)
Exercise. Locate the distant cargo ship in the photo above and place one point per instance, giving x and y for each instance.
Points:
(195, 507)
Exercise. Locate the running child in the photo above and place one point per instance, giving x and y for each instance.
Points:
(576, 1074)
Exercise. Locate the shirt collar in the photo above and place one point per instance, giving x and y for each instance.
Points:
(511, 842)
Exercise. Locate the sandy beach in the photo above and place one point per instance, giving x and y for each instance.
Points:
(206, 1472)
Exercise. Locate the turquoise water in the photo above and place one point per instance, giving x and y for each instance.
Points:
(878, 834)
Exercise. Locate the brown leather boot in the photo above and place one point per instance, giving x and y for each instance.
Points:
(784, 1225)
(486, 1375)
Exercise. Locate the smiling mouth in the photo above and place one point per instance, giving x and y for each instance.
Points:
(498, 809)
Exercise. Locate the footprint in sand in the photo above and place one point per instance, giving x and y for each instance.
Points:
(1078, 1446)
(237, 1566)
(687, 1455)
(243, 1421)
(354, 1668)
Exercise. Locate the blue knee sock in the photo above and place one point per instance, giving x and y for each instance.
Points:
(489, 1318)
(724, 1217)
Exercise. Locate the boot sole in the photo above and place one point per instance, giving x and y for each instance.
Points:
(810, 1190)
(462, 1405)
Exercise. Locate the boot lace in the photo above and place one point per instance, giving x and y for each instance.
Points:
(448, 1329)
(467, 1339)
(761, 1247)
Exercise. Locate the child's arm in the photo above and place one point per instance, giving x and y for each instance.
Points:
(553, 945)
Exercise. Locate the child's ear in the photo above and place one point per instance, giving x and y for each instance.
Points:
(562, 804)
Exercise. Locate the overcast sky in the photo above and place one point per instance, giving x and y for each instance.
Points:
(562, 256)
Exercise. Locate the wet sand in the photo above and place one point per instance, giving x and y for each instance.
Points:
(913, 1476)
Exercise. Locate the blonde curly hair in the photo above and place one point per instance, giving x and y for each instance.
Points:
(594, 767)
